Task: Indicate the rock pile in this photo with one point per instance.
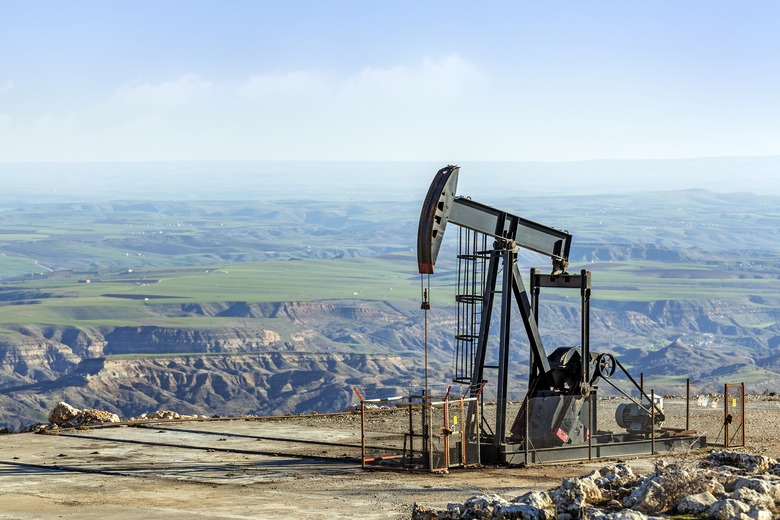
(165, 415)
(64, 415)
(722, 486)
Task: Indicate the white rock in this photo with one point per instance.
(483, 505)
(762, 486)
(520, 512)
(628, 514)
(648, 497)
(538, 499)
(619, 475)
(695, 504)
(62, 413)
(751, 463)
(759, 513)
(752, 497)
(574, 494)
(727, 509)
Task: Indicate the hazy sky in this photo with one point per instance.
(388, 80)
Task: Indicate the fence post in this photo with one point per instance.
(362, 428)
(742, 419)
(445, 431)
(726, 416)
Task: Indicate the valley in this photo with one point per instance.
(243, 307)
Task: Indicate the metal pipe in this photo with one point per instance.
(363, 432)
(445, 430)
(590, 427)
(688, 404)
(652, 423)
(525, 437)
(726, 416)
(742, 419)
(462, 432)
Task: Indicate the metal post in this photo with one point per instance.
(411, 426)
(742, 419)
(590, 426)
(525, 437)
(585, 323)
(429, 431)
(462, 432)
(652, 421)
(426, 306)
(445, 429)
(688, 404)
(641, 385)
(503, 354)
(535, 292)
(726, 416)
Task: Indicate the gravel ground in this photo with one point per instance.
(142, 473)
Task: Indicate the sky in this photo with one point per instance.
(168, 80)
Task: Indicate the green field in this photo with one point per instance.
(682, 246)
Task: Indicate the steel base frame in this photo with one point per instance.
(515, 454)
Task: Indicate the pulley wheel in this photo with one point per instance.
(606, 365)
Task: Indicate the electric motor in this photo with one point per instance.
(636, 419)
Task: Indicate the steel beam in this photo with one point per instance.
(500, 224)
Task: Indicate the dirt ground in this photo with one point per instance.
(297, 467)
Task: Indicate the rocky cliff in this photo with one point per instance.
(290, 357)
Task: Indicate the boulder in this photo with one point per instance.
(696, 504)
(752, 497)
(521, 512)
(759, 513)
(615, 477)
(761, 486)
(626, 514)
(538, 499)
(423, 513)
(648, 497)
(711, 484)
(573, 495)
(482, 506)
(727, 509)
(750, 463)
(62, 413)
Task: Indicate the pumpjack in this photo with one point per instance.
(559, 411)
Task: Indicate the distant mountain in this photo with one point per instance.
(28, 183)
